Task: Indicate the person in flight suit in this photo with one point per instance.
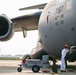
(63, 58)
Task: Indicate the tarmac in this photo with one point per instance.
(9, 67)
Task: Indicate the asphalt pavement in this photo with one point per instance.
(9, 67)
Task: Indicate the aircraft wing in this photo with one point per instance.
(41, 6)
(21, 23)
(28, 22)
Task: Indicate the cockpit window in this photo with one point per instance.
(69, 5)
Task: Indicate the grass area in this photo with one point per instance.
(9, 58)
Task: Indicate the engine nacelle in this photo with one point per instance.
(6, 28)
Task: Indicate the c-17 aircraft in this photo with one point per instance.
(56, 25)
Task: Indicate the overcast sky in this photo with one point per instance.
(18, 44)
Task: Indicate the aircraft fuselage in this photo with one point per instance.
(57, 26)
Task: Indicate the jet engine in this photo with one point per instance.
(6, 28)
